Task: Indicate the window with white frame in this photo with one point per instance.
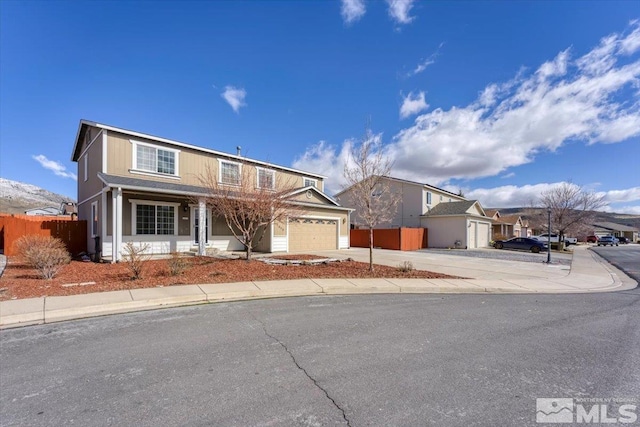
(428, 197)
(266, 178)
(86, 167)
(154, 159)
(94, 219)
(309, 182)
(229, 173)
(155, 219)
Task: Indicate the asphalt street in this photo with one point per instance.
(625, 257)
(373, 360)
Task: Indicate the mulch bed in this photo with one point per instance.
(20, 281)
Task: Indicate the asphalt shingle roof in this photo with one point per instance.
(451, 208)
(614, 226)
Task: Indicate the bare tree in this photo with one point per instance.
(249, 201)
(572, 208)
(365, 174)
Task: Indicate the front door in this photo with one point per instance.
(196, 226)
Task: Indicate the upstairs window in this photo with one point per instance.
(266, 179)
(149, 158)
(428, 197)
(229, 173)
(308, 182)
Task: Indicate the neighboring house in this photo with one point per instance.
(68, 208)
(506, 226)
(48, 211)
(449, 217)
(606, 228)
(458, 225)
(134, 187)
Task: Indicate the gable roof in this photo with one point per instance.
(454, 208)
(492, 212)
(614, 226)
(318, 192)
(509, 219)
(85, 124)
(405, 181)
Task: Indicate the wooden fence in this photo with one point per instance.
(399, 239)
(72, 233)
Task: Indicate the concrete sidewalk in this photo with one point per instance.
(588, 273)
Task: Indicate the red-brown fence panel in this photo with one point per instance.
(405, 239)
(72, 233)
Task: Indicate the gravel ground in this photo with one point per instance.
(556, 258)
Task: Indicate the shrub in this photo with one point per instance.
(177, 264)
(136, 258)
(44, 253)
(406, 267)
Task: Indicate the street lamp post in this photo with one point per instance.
(548, 235)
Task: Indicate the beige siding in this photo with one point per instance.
(445, 231)
(192, 164)
(279, 228)
(93, 184)
(265, 244)
(330, 213)
(84, 213)
(310, 196)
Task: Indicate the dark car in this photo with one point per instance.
(522, 243)
(592, 239)
(623, 239)
(607, 240)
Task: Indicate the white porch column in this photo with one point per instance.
(116, 224)
(202, 227)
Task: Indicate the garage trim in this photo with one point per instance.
(321, 217)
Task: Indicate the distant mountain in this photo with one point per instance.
(17, 197)
(624, 219)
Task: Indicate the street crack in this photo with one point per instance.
(313, 380)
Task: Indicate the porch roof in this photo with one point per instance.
(129, 183)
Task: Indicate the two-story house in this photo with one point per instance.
(451, 220)
(134, 187)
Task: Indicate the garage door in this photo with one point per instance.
(483, 234)
(307, 234)
(473, 230)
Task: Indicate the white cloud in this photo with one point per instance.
(399, 11)
(55, 167)
(630, 210)
(352, 10)
(426, 62)
(509, 196)
(325, 159)
(413, 104)
(509, 175)
(234, 97)
(511, 122)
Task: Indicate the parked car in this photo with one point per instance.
(522, 243)
(607, 240)
(623, 240)
(592, 239)
(556, 238)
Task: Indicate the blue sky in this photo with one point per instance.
(500, 99)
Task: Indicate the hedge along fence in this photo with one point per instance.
(399, 239)
(72, 233)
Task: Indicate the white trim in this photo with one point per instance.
(93, 215)
(104, 152)
(273, 180)
(220, 161)
(134, 159)
(103, 223)
(315, 182)
(136, 202)
(193, 147)
(155, 174)
(89, 144)
(90, 197)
